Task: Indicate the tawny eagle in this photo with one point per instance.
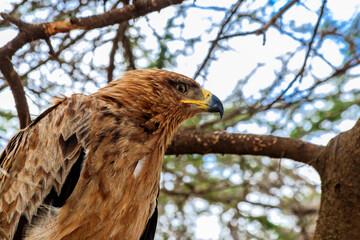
(89, 166)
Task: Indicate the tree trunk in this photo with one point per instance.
(339, 168)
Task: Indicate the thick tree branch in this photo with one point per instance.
(339, 168)
(113, 16)
(201, 142)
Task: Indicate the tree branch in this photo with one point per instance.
(128, 54)
(115, 46)
(111, 17)
(214, 43)
(126, 44)
(302, 69)
(201, 142)
(265, 27)
(17, 90)
(32, 32)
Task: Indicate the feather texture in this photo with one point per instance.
(40, 157)
(124, 129)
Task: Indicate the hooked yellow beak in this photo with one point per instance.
(211, 103)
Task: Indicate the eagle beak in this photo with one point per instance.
(211, 103)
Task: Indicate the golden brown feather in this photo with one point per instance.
(124, 129)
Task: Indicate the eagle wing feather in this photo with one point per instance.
(40, 157)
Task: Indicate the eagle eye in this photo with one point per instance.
(181, 87)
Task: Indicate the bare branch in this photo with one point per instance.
(215, 42)
(4, 23)
(113, 16)
(17, 90)
(265, 27)
(302, 69)
(201, 142)
(128, 53)
(115, 46)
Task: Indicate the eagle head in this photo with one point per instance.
(162, 96)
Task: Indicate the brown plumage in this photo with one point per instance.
(97, 158)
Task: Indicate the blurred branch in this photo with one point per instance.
(214, 43)
(338, 72)
(3, 86)
(201, 142)
(128, 54)
(17, 90)
(115, 46)
(302, 69)
(126, 44)
(4, 23)
(265, 27)
(56, 54)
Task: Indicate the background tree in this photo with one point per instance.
(303, 90)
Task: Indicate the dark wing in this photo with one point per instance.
(40, 157)
(149, 232)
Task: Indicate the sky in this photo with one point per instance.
(232, 65)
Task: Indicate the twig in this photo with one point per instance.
(17, 22)
(128, 53)
(302, 69)
(265, 27)
(115, 46)
(214, 43)
(51, 49)
(16, 6)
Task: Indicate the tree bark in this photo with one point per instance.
(339, 168)
(201, 142)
